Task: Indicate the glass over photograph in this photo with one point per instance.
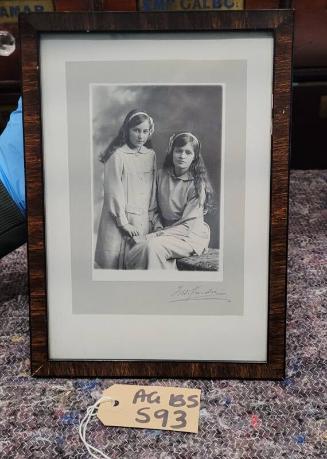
(157, 232)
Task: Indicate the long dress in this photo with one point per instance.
(185, 231)
(129, 197)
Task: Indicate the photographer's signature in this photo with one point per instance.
(197, 292)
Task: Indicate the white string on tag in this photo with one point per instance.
(90, 413)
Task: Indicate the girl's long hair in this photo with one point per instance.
(132, 119)
(202, 184)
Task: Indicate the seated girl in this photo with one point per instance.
(184, 195)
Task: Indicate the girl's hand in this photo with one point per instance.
(131, 230)
(150, 236)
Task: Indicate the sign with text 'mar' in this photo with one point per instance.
(9, 10)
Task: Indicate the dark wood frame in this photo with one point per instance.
(280, 24)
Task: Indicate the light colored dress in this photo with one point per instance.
(185, 231)
(129, 197)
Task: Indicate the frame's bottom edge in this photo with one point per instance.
(160, 370)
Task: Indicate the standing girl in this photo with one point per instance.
(129, 190)
(184, 195)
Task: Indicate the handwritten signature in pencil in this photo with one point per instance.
(197, 292)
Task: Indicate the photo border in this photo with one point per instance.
(110, 275)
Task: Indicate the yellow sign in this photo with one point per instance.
(9, 10)
(189, 5)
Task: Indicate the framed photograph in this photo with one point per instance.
(157, 187)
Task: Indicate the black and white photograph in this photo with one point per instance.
(157, 160)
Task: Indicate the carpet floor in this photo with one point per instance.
(238, 419)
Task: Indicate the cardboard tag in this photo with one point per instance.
(151, 407)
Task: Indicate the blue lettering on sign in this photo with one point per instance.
(164, 5)
(146, 5)
(160, 4)
(13, 11)
(205, 4)
(4, 13)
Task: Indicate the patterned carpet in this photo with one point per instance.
(238, 419)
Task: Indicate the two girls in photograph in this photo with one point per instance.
(151, 218)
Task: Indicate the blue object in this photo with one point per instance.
(300, 439)
(12, 158)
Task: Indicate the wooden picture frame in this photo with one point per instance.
(45, 105)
